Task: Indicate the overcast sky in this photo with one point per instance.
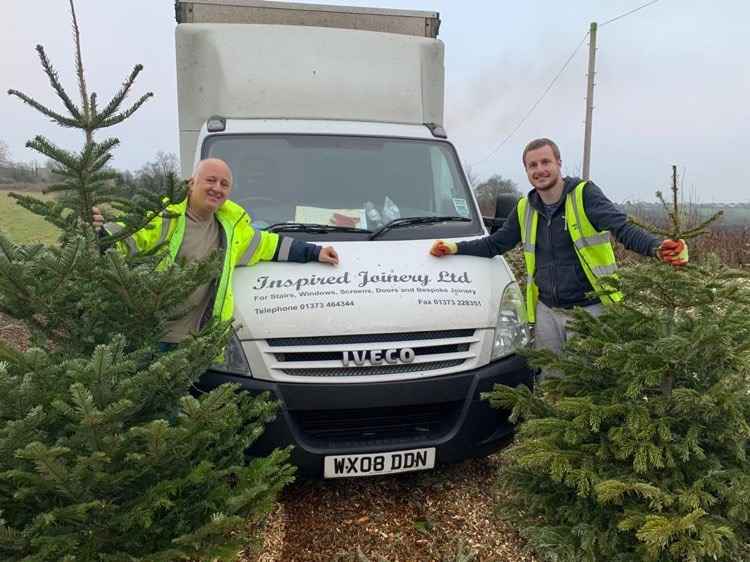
(672, 83)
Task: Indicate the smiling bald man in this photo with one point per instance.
(206, 221)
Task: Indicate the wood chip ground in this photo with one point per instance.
(417, 517)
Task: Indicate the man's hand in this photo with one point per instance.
(673, 252)
(97, 218)
(328, 255)
(441, 248)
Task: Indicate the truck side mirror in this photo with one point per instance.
(505, 203)
(492, 223)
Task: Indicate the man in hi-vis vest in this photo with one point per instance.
(564, 225)
(204, 222)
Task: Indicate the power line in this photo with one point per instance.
(554, 80)
(628, 13)
(533, 107)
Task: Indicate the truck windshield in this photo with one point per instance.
(356, 183)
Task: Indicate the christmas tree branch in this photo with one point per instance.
(665, 206)
(11, 275)
(61, 120)
(62, 174)
(100, 155)
(80, 74)
(118, 274)
(701, 228)
(61, 187)
(636, 221)
(675, 231)
(112, 107)
(93, 104)
(667, 382)
(675, 203)
(10, 355)
(51, 211)
(646, 226)
(54, 80)
(124, 115)
(100, 163)
(62, 156)
(67, 262)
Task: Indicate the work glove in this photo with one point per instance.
(673, 252)
(440, 248)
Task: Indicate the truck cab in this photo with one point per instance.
(333, 131)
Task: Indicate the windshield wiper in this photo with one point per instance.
(312, 227)
(409, 221)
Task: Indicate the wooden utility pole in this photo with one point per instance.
(589, 102)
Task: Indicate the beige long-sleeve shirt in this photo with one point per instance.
(200, 240)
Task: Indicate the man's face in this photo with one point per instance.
(211, 186)
(542, 168)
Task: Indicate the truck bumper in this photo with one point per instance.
(338, 419)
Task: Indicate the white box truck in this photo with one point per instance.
(331, 119)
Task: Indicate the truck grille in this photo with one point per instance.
(370, 338)
(323, 356)
(364, 371)
(377, 425)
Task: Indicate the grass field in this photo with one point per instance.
(20, 225)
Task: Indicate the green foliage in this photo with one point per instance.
(69, 294)
(109, 458)
(107, 449)
(639, 451)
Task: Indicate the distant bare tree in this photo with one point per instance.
(489, 190)
(164, 163)
(4, 153)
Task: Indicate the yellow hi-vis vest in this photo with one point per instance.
(593, 248)
(244, 245)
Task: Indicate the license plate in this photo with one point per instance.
(349, 466)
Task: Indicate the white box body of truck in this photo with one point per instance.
(334, 136)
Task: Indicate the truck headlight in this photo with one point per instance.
(512, 329)
(235, 360)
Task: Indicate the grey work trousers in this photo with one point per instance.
(551, 330)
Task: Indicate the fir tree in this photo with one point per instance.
(104, 453)
(639, 451)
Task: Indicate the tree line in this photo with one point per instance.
(13, 172)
